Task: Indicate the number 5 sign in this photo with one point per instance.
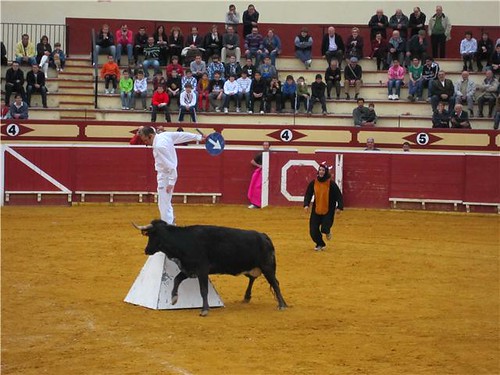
(422, 139)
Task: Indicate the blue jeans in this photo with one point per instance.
(130, 52)
(303, 55)
(394, 83)
(415, 88)
(110, 51)
(155, 63)
(256, 55)
(247, 99)
(141, 95)
(31, 60)
(126, 98)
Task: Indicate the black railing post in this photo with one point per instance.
(96, 70)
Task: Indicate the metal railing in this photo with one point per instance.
(11, 35)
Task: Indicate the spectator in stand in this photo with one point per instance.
(459, 118)
(203, 93)
(188, 79)
(429, 73)
(161, 40)
(417, 47)
(267, 70)
(378, 24)
(274, 93)
(442, 91)
(140, 90)
(4, 55)
(496, 122)
(441, 117)
(44, 54)
(231, 93)
(160, 102)
(151, 56)
(288, 92)
(124, 39)
(379, 51)
(399, 22)
(105, 43)
(353, 77)
(233, 67)
(244, 85)
(212, 43)
(230, 44)
(258, 93)
(25, 51)
(318, 89)
(232, 18)
(468, 50)
(194, 46)
(215, 66)
(188, 103)
(110, 72)
(272, 46)
(417, 21)
(484, 51)
(14, 82)
(249, 68)
(175, 42)
(303, 47)
(58, 57)
(254, 46)
(440, 32)
(174, 65)
(4, 110)
(395, 76)
(354, 45)
(216, 89)
(495, 60)
(198, 67)
(250, 20)
(332, 46)
(174, 87)
(363, 116)
(333, 77)
(140, 41)
(35, 81)
(303, 95)
(370, 145)
(487, 92)
(19, 109)
(159, 80)
(126, 89)
(416, 80)
(464, 92)
(396, 48)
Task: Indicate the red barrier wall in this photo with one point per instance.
(369, 179)
(79, 31)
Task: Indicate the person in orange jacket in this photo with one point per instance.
(110, 72)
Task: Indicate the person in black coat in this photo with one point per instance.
(36, 83)
(4, 55)
(327, 200)
(484, 51)
(14, 82)
(332, 46)
(258, 91)
(441, 117)
(378, 24)
(417, 21)
(459, 118)
(318, 88)
(250, 20)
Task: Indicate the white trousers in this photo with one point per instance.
(165, 199)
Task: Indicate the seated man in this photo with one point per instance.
(442, 91)
(124, 39)
(25, 51)
(233, 67)
(487, 92)
(272, 46)
(441, 117)
(214, 67)
(318, 95)
(258, 92)
(151, 56)
(464, 92)
(18, 109)
(468, 50)
(231, 93)
(430, 72)
(198, 67)
(174, 88)
(396, 48)
(230, 45)
(105, 43)
(353, 74)
(417, 47)
(362, 115)
(36, 83)
(332, 46)
(267, 70)
(288, 92)
(244, 84)
(140, 41)
(194, 46)
(14, 81)
(254, 46)
(459, 118)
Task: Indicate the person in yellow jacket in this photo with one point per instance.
(25, 51)
(327, 201)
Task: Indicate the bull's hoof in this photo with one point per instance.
(204, 313)
(281, 308)
(174, 299)
(246, 300)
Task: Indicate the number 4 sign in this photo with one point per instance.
(13, 130)
(286, 135)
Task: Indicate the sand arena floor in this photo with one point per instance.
(394, 293)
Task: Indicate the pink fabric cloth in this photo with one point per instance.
(255, 188)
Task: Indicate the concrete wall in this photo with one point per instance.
(484, 13)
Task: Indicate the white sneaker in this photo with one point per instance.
(112, 91)
(261, 112)
(250, 112)
(106, 91)
(217, 109)
(226, 110)
(319, 248)
(123, 108)
(390, 97)
(238, 110)
(253, 206)
(395, 97)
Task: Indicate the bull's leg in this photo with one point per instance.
(248, 293)
(203, 280)
(181, 276)
(270, 275)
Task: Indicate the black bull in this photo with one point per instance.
(202, 250)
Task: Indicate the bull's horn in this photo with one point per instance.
(142, 227)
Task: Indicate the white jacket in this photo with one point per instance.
(244, 84)
(231, 87)
(166, 157)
